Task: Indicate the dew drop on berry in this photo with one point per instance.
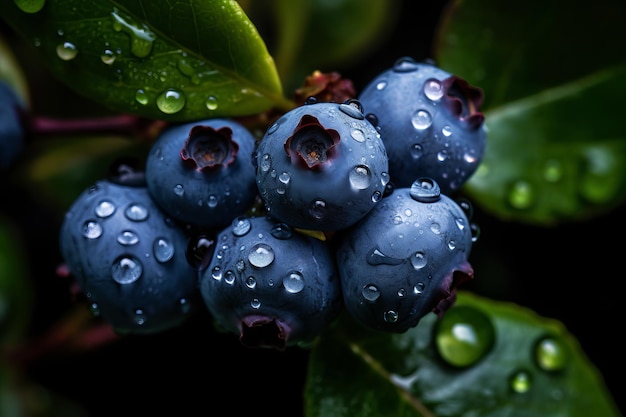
(390, 316)
(384, 178)
(255, 303)
(293, 282)
(105, 209)
(241, 226)
(136, 212)
(126, 270)
(284, 178)
(464, 336)
(405, 64)
(442, 155)
(380, 85)
(266, 162)
(179, 190)
(163, 250)
(550, 354)
(418, 260)
(421, 120)
(416, 150)
(127, 238)
(419, 288)
(216, 273)
(261, 255)
(92, 229)
(435, 228)
(360, 177)
(376, 257)
(199, 251)
(281, 231)
(433, 89)
(229, 277)
(358, 135)
(475, 229)
(251, 282)
(353, 109)
(446, 131)
(67, 51)
(376, 196)
(317, 210)
(520, 381)
(139, 317)
(371, 293)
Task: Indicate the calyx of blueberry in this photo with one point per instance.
(207, 148)
(446, 296)
(257, 331)
(463, 101)
(311, 144)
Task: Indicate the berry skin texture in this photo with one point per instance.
(201, 173)
(129, 259)
(11, 128)
(322, 166)
(271, 285)
(405, 258)
(430, 122)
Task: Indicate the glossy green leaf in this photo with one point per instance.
(323, 35)
(556, 150)
(179, 61)
(483, 359)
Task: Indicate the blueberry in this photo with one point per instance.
(201, 173)
(128, 259)
(271, 285)
(430, 122)
(405, 258)
(12, 132)
(322, 166)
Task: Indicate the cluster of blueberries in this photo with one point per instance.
(337, 205)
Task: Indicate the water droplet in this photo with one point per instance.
(451, 245)
(360, 177)
(170, 101)
(67, 51)
(211, 103)
(229, 277)
(30, 6)
(371, 293)
(475, 232)
(199, 251)
(405, 64)
(521, 195)
(425, 190)
(141, 37)
(317, 210)
(442, 155)
(376, 196)
(163, 250)
(284, 178)
(422, 120)
(107, 57)
(416, 150)
(381, 85)
(255, 303)
(126, 270)
(136, 212)
(95, 309)
(376, 257)
(464, 336)
(551, 354)
(419, 288)
(128, 238)
(353, 109)
(140, 317)
(179, 190)
(241, 226)
(216, 273)
(358, 135)
(266, 162)
(418, 260)
(281, 231)
(251, 282)
(142, 97)
(520, 381)
(105, 209)
(92, 229)
(261, 255)
(384, 178)
(435, 228)
(390, 316)
(293, 282)
(446, 131)
(433, 89)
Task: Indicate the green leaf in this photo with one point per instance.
(180, 61)
(483, 358)
(554, 84)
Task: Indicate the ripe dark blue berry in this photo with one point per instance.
(201, 173)
(430, 122)
(11, 127)
(271, 285)
(405, 258)
(128, 258)
(322, 166)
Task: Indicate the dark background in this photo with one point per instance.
(572, 273)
